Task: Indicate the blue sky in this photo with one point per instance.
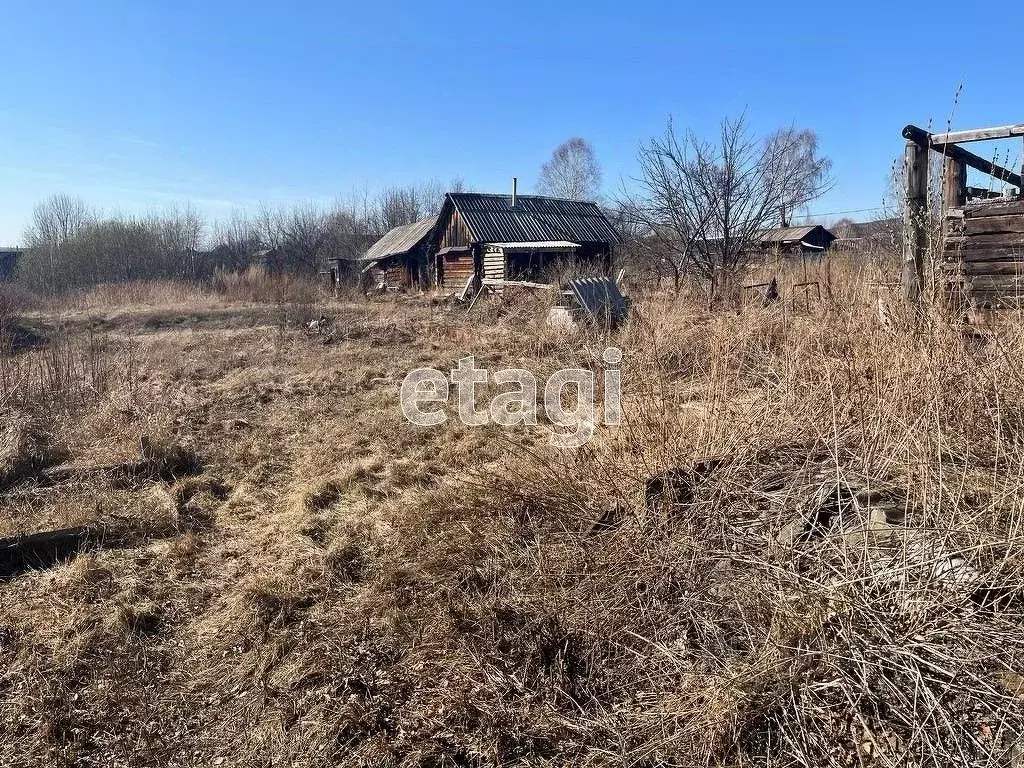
(135, 106)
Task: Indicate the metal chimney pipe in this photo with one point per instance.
(515, 185)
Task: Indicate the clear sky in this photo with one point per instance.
(138, 105)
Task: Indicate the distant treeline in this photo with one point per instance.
(71, 245)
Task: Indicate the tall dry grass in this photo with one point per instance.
(258, 285)
(832, 576)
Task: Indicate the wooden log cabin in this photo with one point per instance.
(810, 240)
(515, 237)
(400, 258)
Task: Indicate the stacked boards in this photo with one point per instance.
(983, 254)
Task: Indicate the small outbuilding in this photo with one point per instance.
(796, 241)
(400, 258)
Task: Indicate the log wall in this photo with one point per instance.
(983, 254)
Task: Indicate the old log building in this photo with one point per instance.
(801, 241)
(493, 237)
(514, 237)
(400, 258)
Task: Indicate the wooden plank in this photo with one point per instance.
(1007, 283)
(975, 242)
(985, 268)
(978, 134)
(983, 254)
(993, 225)
(922, 138)
(994, 208)
(520, 283)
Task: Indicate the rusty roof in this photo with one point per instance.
(492, 219)
(400, 240)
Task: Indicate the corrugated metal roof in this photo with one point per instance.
(786, 234)
(538, 244)
(492, 219)
(399, 240)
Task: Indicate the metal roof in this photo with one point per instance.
(492, 219)
(399, 240)
(536, 244)
(786, 234)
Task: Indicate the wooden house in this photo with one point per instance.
(400, 258)
(514, 237)
(812, 240)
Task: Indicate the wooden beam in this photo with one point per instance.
(982, 241)
(922, 138)
(991, 225)
(984, 268)
(994, 208)
(915, 189)
(519, 283)
(954, 183)
(979, 134)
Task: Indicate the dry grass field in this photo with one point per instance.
(286, 572)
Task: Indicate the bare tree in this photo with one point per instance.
(706, 203)
(304, 234)
(572, 172)
(398, 206)
(56, 220)
(179, 233)
(234, 243)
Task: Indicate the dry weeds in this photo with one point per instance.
(313, 581)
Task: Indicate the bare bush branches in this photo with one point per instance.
(706, 202)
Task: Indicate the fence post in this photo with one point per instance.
(954, 184)
(915, 186)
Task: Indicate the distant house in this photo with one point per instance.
(867, 235)
(400, 259)
(513, 237)
(9, 258)
(807, 241)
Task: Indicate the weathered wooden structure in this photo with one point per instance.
(983, 254)
(813, 240)
(981, 262)
(400, 258)
(514, 237)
